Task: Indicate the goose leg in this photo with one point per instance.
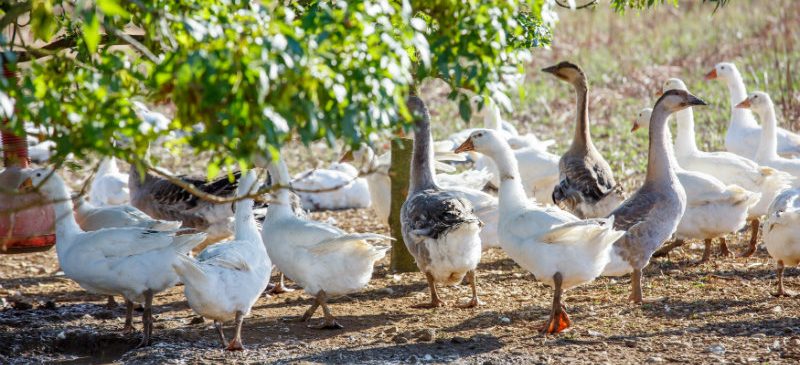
(218, 326)
(329, 323)
(723, 247)
(280, 287)
(310, 312)
(128, 328)
(636, 286)
(706, 252)
(559, 319)
(435, 300)
(665, 250)
(147, 319)
(474, 302)
(781, 292)
(236, 343)
(753, 238)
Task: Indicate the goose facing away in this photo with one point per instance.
(439, 227)
(133, 262)
(781, 232)
(324, 260)
(227, 278)
(651, 215)
(110, 186)
(743, 130)
(557, 247)
(586, 184)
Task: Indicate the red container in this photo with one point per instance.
(26, 221)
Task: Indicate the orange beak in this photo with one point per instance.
(635, 127)
(466, 146)
(347, 157)
(745, 104)
(659, 93)
(26, 185)
(712, 75)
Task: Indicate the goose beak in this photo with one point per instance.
(635, 127)
(347, 157)
(466, 146)
(659, 93)
(27, 185)
(693, 100)
(712, 75)
(745, 104)
(550, 70)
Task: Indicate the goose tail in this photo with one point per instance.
(184, 244)
(189, 270)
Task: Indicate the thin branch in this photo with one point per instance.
(14, 13)
(136, 44)
(69, 42)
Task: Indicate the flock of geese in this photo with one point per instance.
(565, 219)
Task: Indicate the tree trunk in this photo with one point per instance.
(399, 172)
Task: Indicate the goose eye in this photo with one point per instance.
(755, 96)
(38, 174)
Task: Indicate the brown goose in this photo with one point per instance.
(440, 228)
(586, 185)
(651, 215)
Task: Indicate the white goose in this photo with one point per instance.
(728, 167)
(743, 131)
(110, 186)
(132, 262)
(557, 247)
(712, 208)
(228, 277)
(326, 261)
(781, 232)
(767, 154)
(334, 188)
(92, 218)
(538, 170)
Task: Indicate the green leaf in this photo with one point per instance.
(43, 21)
(111, 7)
(91, 31)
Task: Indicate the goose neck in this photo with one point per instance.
(768, 145)
(422, 156)
(511, 194)
(739, 117)
(685, 142)
(661, 163)
(66, 225)
(491, 116)
(582, 136)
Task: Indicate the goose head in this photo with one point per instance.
(758, 101)
(485, 141)
(673, 84)
(676, 100)
(722, 70)
(567, 71)
(47, 182)
(642, 120)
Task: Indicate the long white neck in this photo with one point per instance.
(108, 166)
(245, 227)
(491, 116)
(66, 226)
(281, 205)
(768, 146)
(739, 117)
(511, 193)
(685, 143)
(661, 163)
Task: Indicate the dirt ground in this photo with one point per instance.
(713, 313)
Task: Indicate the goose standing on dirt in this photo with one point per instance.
(586, 184)
(439, 227)
(651, 215)
(782, 233)
(334, 188)
(557, 247)
(767, 154)
(728, 167)
(161, 199)
(324, 260)
(133, 262)
(743, 130)
(110, 186)
(712, 208)
(227, 278)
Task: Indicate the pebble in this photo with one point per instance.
(426, 335)
(655, 359)
(777, 309)
(51, 305)
(630, 343)
(400, 339)
(21, 305)
(427, 357)
(594, 333)
(413, 359)
(386, 291)
(716, 349)
(505, 320)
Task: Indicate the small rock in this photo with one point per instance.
(21, 305)
(505, 320)
(426, 335)
(62, 335)
(50, 305)
(413, 359)
(795, 342)
(386, 291)
(776, 309)
(594, 333)
(716, 349)
(759, 335)
(104, 315)
(776, 345)
(400, 339)
(87, 317)
(197, 320)
(630, 343)
(427, 357)
(655, 359)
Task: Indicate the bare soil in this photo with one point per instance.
(712, 313)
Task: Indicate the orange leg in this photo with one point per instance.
(753, 238)
(474, 302)
(435, 300)
(559, 319)
(236, 343)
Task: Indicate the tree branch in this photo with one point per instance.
(69, 42)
